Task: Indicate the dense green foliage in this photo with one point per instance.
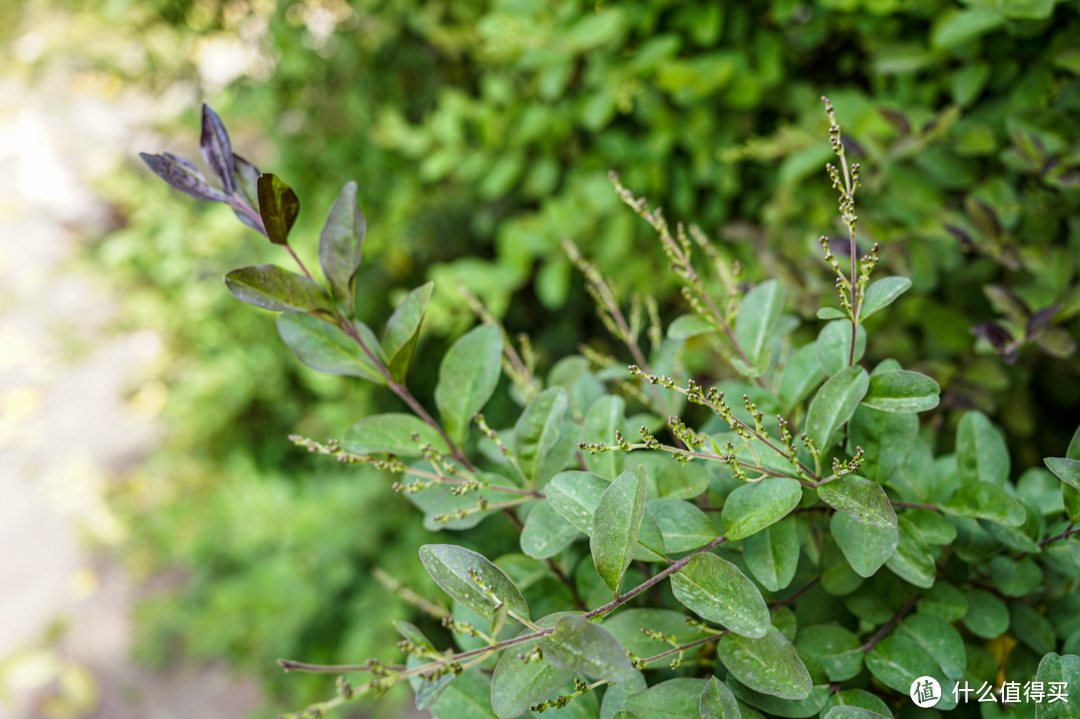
(831, 482)
(479, 134)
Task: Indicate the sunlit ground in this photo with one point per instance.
(75, 406)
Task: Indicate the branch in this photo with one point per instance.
(561, 576)
(289, 664)
(1069, 531)
(802, 590)
(683, 647)
(764, 439)
(891, 623)
(709, 456)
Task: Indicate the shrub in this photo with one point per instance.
(398, 87)
(818, 482)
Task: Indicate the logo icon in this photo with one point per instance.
(925, 692)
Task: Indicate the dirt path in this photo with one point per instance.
(66, 424)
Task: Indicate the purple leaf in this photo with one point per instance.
(897, 120)
(1041, 319)
(1000, 339)
(278, 206)
(182, 175)
(962, 235)
(217, 149)
(853, 147)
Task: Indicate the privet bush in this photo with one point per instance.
(468, 81)
(683, 546)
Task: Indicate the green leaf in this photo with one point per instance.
(672, 480)
(413, 634)
(1060, 670)
(604, 418)
(837, 576)
(886, 439)
(403, 330)
(673, 699)
(575, 495)
(866, 547)
(650, 540)
(933, 528)
(546, 532)
(856, 704)
(944, 601)
(972, 543)
(882, 293)
(752, 370)
(847, 712)
(615, 696)
(615, 525)
(453, 569)
(1070, 497)
(428, 689)
(898, 661)
(785, 621)
(1015, 578)
(278, 207)
(715, 589)
(912, 560)
(916, 479)
(341, 243)
(939, 640)
(1031, 628)
(772, 555)
(801, 375)
(982, 500)
(799, 708)
(516, 685)
(838, 651)
(768, 665)
(688, 326)
(325, 348)
(1067, 470)
(981, 454)
(627, 624)
(964, 26)
(582, 386)
(902, 392)
(468, 376)
(834, 346)
(391, 434)
(717, 701)
(439, 503)
(465, 698)
(863, 500)
(683, 526)
(578, 645)
(834, 404)
(831, 313)
(757, 318)
(754, 506)
(987, 616)
(886, 365)
(538, 429)
(274, 289)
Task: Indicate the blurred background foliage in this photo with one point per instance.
(482, 132)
